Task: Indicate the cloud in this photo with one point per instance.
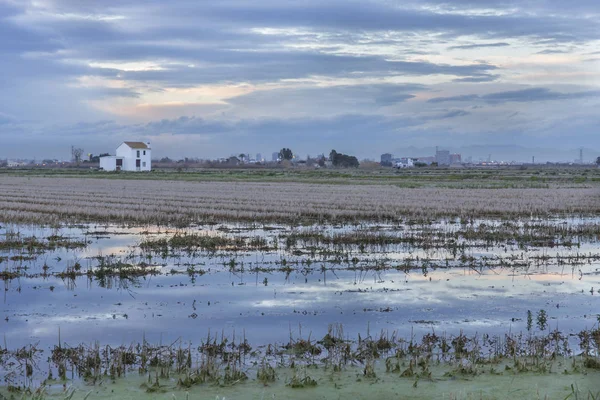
(445, 115)
(381, 16)
(291, 129)
(589, 7)
(464, 97)
(524, 95)
(327, 70)
(359, 134)
(454, 114)
(319, 100)
(185, 126)
(552, 51)
(393, 98)
(6, 119)
(478, 79)
(478, 46)
(224, 43)
(109, 93)
(256, 66)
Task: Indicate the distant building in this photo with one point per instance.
(386, 160)
(425, 160)
(275, 156)
(259, 157)
(404, 162)
(233, 160)
(130, 156)
(455, 159)
(442, 157)
(14, 164)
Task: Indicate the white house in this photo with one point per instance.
(131, 156)
(405, 163)
(14, 164)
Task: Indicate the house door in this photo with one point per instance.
(138, 164)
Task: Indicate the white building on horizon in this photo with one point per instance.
(404, 162)
(130, 156)
(14, 163)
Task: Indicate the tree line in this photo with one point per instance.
(337, 159)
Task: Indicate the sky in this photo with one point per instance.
(209, 79)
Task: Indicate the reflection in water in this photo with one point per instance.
(270, 293)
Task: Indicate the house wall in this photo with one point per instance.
(131, 155)
(108, 163)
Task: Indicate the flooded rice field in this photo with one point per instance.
(277, 285)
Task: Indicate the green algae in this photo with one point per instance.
(384, 366)
(349, 383)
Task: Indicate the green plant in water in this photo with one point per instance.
(266, 373)
(542, 320)
(300, 383)
(591, 363)
(369, 370)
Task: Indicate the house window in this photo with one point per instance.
(119, 162)
(138, 153)
(144, 152)
(144, 163)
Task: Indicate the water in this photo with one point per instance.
(267, 305)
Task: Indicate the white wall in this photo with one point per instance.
(108, 163)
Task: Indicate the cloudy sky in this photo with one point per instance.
(208, 79)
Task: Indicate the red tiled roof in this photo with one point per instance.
(137, 145)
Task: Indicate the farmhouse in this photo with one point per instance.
(130, 156)
(14, 164)
(404, 163)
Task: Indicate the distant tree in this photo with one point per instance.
(165, 160)
(96, 159)
(598, 161)
(332, 155)
(343, 160)
(76, 153)
(242, 156)
(286, 154)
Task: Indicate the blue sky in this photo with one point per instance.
(213, 78)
